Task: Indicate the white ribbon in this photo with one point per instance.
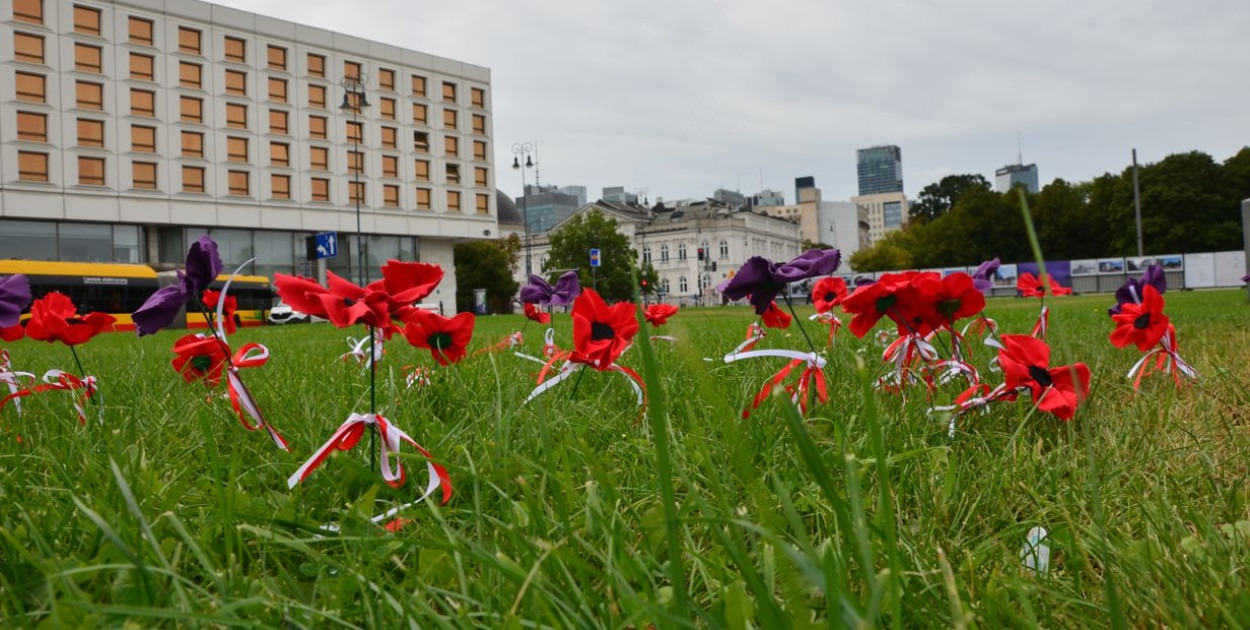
(359, 352)
(1172, 360)
(667, 338)
(549, 347)
(811, 358)
(990, 325)
(13, 379)
(566, 371)
(53, 377)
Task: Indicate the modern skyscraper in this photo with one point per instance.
(880, 170)
(1012, 174)
(546, 206)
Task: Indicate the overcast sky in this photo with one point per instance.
(685, 96)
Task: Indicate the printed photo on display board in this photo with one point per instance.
(1060, 270)
(1005, 276)
(1172, 262)
(1110, 265)
(1137, 264)
(1088, 267)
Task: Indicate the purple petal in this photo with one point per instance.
(754, 279)
(1114, 310)
(1155, 277)
(160, 309)
(568, 287)
(203, 264)
(809, 264)
(536, 292)
(14, 297)
(984, 285)
(1245, 279)
(1128, 293)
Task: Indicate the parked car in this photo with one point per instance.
(284, 314)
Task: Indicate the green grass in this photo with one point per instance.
(863, 514)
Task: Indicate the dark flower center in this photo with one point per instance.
(600, 331)
(439, 341)
(884, 303)
(1040, 375)
(202, 363)
(72, 320)
(1142, 322)
(349, 302)
(831, 297)
(949, 307)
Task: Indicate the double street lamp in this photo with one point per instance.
(354, 101)
(524, 150)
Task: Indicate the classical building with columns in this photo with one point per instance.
(131, 126)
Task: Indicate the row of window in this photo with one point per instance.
(681, 252)
(29, 47)
(32, 88)
(33, 166)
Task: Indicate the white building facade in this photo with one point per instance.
(670, 239)
(131, 126)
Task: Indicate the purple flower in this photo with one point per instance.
(1245, 279)
(203, 266)
(761, 279)
(540, 292)
(983, 277)
(1131, 291)
(14, 298)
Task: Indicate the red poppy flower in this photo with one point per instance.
(12, 333)
(828, 293)
(1026, 363)
(232, 305)
(55, 318)
(953, 297)
(1143, 324)
(300, 293)
(1029, 286)
(200, 358)
(444, 337)
(774, 317)
(658, 314)
(601, 332)
(536, 314)
(906, 298)
(346, 304)
(406, 283)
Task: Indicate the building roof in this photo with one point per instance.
(506, 209)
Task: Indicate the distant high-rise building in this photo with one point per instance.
(576, 191)
(766, 198)
(731, 197)
(1012, 174)
(545, 206)
(801, 184)
(618, 194)
(880, 170)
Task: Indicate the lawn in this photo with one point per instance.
(573, 511)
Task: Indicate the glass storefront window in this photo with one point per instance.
(28, 240)
(173, 248)
(235, 248)
(408, 248)
(86, 242)
(275, 253)
(127, 244)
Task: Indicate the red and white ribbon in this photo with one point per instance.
(832, 320)
(13, 379)
(906, 353)
(1165, 359)
(978, 326)
(55, 380)
(812, 378)
(348, 435)
(969, 401)
(755, 333)
(416, 376)
(360, 353)
(250, 355)
(668, 338)
(1043, 322)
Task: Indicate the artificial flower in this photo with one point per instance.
(210, 298)
(1056, 390)
(300, 293)
(12, 333)
(1030, 286)
(54, 317)
(406, 283)
(14, 298)
(658, 314)
(760, 280)
(601, 332)
(983, 276)
(346, 304)
(774, 317)
(540, 292)
(202, 267)
(200, 358)
(895, 296)
(828, 293)
(1131, 291)
(536, 314)
(445, 337)
(954, 297)
(1142, 324)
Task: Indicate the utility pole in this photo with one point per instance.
(1137, 205)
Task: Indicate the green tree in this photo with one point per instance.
(936, 199)
(810, 245)
(890, 253)
(484, 265)
(570, 249)
(512, 246)
(648, 279)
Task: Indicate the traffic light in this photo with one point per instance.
(700, 253)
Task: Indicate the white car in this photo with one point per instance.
(284, 314)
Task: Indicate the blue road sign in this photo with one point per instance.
(327, 245)
(594, 258)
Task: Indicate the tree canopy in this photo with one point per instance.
(484, 265)
(935, 199)
(1190, 203)
(570, 249)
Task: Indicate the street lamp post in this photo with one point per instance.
(524, 150)
(353, 101)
